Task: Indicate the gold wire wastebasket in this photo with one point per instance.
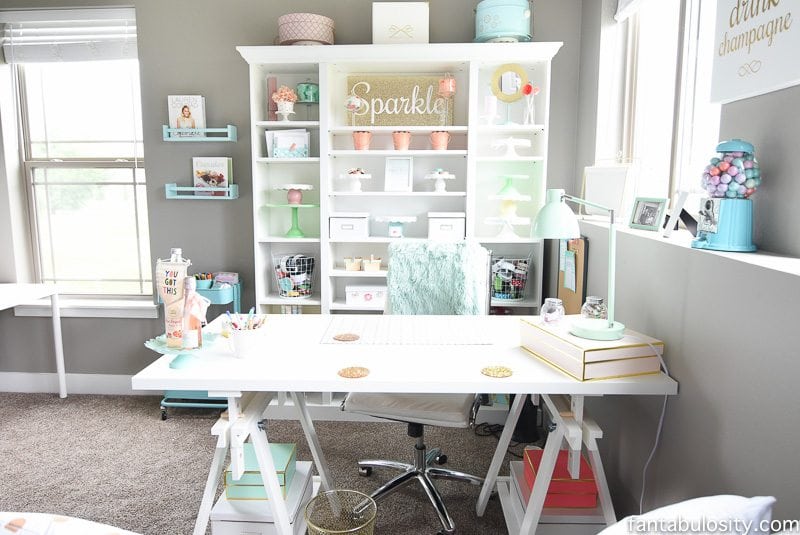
(341, 511)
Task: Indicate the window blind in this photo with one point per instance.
(52, 35)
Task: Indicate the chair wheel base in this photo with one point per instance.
(440, 459)
(365, 471)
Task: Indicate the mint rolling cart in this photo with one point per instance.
(198, 399)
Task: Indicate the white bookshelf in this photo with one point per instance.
(472, 156)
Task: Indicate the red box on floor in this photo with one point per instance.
(563, 491)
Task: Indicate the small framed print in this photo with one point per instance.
(399, 174)
(648, 213)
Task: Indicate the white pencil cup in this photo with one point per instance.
(248, 343)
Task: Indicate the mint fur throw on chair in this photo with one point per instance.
(438, 278)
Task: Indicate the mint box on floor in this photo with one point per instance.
(251, 486)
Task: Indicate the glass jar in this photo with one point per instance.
(594, 308)
(552, 310)
(733, 173)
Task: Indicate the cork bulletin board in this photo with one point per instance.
(572, 264)
(398, 100)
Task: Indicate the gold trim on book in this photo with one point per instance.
(530, 462)
(562, 370)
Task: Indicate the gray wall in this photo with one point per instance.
(188, 46)
(729, 329)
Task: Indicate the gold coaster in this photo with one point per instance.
(353, 372)
(497, 371)
(346, 337)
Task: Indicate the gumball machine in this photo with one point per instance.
(726, 216)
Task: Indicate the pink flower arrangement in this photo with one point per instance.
(530, 89)
(284, 94)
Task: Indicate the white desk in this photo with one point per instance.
(12, 295)
(297, 360)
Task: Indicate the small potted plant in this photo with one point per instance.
(285, 97)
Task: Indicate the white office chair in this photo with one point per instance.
(428, 278)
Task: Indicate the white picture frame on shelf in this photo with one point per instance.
(606, 185)
(399, 174)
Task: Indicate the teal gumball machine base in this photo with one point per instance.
(726, 225)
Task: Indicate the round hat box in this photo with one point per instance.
(506, 21)
(305, 29)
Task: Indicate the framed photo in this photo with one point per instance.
(399, 174)
(648, 213)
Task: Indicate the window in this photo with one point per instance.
(83, 158)
(671, 126)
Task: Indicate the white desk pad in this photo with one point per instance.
(409, 330)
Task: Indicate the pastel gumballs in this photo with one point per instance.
(750, 182)
(738, 162)
(722, 188)
(709, 168)
(723, 166)
(733, 186)
(733, 170)
(748, 164)
(757, 181)
(730, 194)
(741, 190)
(711, 189)
(714, 180)
(739, 179)
(725, 178)
(737, 154)
(706, 176)
(750, 191)
(714, 171)
(728, 158)
(715, 161)
(756, 172)
(748, 173)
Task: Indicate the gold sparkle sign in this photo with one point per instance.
(399, 101)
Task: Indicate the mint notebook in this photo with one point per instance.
(251, 486)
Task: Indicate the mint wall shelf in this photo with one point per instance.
(174, 191)
(210, 134)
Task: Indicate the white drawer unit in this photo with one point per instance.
(450, 226)
(349, 225)
(373, 297)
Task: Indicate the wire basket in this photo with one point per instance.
(509, 276)
(294, 275)
(341, 511)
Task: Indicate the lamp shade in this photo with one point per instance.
(556, 220)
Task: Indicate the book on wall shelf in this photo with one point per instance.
(212, 172)
(186, 111)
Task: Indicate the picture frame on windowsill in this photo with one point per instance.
(648, 213)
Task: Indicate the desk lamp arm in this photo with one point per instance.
(612, 250)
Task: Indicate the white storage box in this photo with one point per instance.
(349, 225)
(366, 296)
(399, 22)
(449, 226)
(254, 517)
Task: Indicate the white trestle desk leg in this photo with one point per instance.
(214, 474)
(542, 482)
(500, 453)
(299, 399)
(58, 346)
(591, 432)
(270, 478)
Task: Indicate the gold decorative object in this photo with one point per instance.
(508, 81)
(353, 372)
(497, 371)
(346, 337)
(397, 100)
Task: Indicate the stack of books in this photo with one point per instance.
(633, 354)
(563, 491)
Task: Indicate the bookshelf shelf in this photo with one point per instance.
(228, 193)
(209, 134)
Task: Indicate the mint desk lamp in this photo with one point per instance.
(557, 221)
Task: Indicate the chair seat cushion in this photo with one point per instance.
(445, 410)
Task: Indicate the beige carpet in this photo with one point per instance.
(112, 460)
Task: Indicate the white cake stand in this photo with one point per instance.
(510, 143)
(355, 180)
(440, 176)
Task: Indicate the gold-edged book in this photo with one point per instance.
(634, 354)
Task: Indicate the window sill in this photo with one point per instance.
(683, 238)
(91, 308)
